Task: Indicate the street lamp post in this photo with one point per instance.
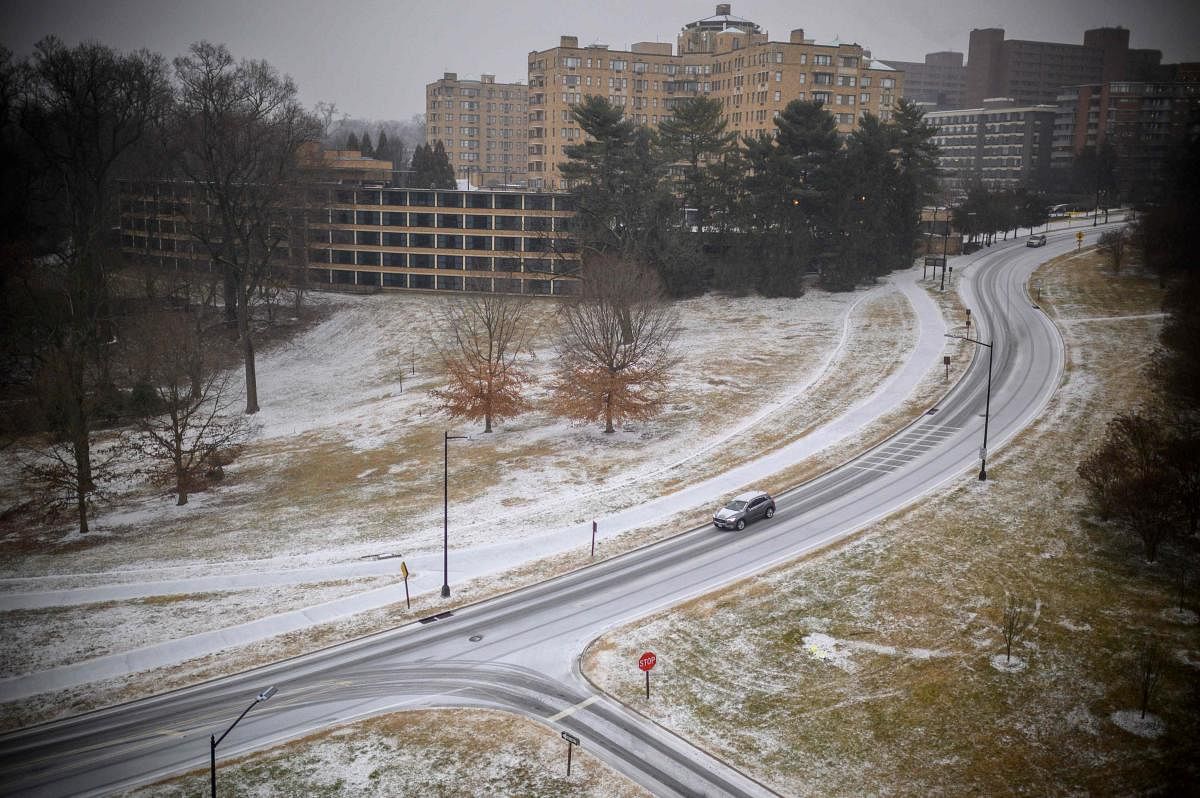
(447, 437)
(987, 407)
(214, 741)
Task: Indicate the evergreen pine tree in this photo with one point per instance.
(441, 170)
(419, 167)
(352, 141)
(383, 147)
(365, 144)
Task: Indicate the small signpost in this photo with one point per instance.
(593, 539)
(404, 573)
(1079, 239)
(968, 322)
(646, 662)
(572, 741)
(946, 361)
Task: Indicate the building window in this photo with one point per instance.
(822, 60)
(848, 61)
(619, 64)
(823, 78)
(571, 62)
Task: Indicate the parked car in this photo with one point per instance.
(744, 509)
(1038, 240)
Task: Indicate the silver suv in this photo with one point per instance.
(744, 509)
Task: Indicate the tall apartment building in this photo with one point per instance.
(483, 126)
(1032, 72)
(727, 58)
(939, 82)
(1140, 121)
(1001, 144)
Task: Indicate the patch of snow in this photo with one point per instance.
(1184, 616)
(1151, 727)
(1074, 627)
(1008, 664)
(1082, 719)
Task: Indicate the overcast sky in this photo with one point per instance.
(373, 59)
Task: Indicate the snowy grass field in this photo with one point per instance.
(342, 480)
(878, 667)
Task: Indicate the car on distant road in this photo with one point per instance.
(743, 509)
(1038, 240)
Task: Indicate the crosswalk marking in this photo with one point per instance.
(571, 710)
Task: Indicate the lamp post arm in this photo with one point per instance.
(972, 340)
(236, 722)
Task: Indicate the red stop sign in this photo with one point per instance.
(647, 660)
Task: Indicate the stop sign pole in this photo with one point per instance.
(646, 662)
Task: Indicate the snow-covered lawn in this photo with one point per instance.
(426, 753)
(342, 481)
(878, 667)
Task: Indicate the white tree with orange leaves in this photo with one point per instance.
(616, 348)
(485, 335)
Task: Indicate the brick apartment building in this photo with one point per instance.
(1001, 144)
(1032, 72)
(364, 233)
(483, 126)
(1141, 122)
(725, 57)
(938, 83)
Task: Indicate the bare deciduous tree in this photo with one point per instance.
(68, 474)
(615, 354)
(1129, 480)
(81, 111)
(1014, 622)
(241, 127)
(1147, 673)
(1113, 245)
(191, 423)
(486, 335)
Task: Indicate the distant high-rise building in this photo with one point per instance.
(938, 82)
(1031, 72)
(1000, 144)
(1139, 122)
(483, 126)
(727, 58)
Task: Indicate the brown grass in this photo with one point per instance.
(423, 752)
(927, 713)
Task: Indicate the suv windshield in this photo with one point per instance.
(736, 504)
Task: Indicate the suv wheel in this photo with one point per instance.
(770, 512)
(741, 524)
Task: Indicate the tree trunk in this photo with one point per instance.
(83, 478)
(229, 286)
(81, 503)
(608, 413)
(243, 312)
(487, 422)
(180, 472)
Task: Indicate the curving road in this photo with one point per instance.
(519, 652)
